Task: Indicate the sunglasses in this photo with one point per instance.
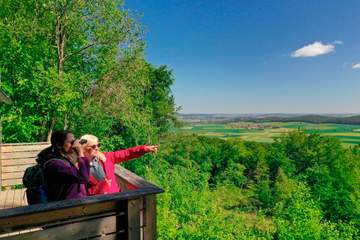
(95, 146)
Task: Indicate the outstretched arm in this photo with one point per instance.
(130, 153)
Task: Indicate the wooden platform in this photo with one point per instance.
(12, 198)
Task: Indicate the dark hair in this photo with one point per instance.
(58, 139)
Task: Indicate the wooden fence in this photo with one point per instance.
(15, 158)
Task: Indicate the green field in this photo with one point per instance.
(266, 132)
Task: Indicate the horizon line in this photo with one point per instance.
(262, 113)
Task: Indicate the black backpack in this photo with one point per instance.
(35, 183)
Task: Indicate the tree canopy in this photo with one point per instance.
(72, 63)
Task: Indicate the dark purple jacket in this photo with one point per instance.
(64, 180)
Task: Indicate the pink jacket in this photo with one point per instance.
(110, 184)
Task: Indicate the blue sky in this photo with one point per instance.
(282, 56)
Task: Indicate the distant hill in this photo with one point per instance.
(309, 118)
(312, 119)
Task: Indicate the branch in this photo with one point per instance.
(82, 49)
(79, 51)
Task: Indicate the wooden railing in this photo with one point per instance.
(130, 214)
(141, 210)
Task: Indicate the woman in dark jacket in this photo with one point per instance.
(65, 175)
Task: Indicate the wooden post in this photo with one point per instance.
(134, 219)
(0, 155)
(122, 183)
(150, 217)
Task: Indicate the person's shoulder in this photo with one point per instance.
(57, 162)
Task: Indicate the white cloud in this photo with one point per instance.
(313, 50)
(356, 66)
(338, 42)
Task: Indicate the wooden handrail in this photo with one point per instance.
(65, 204)
(132, 178)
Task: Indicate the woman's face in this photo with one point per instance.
(92, 148)
(67, 147)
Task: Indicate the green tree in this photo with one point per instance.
(298, 217)
(54, 54)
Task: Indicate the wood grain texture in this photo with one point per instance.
(150, 217)
(17, 155)
(19, 168)
(21, 147)
(75, 230)
(132, 178)
(20, 161)
(134, 219)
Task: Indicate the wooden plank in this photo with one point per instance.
(4, 214)
(15, 162)
(141, 212)
(9, 198)
(75, 230)
(13, 175)
(122, 183)
(17, 198)
(132, 178)
(120, 215)
(113, 236)
(26, 143)
(21, 222)
(134, 219)
(2, 198)
(10, 169)
(17, 155)
(149, 217)
(1, 149)
(23, 197)
(11, 182)
(21, 147)
(2, 236)
(6, 192)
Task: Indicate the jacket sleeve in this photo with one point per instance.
(67, 172)
(126, 154)
(95, 187)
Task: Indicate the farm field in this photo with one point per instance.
(266, 132)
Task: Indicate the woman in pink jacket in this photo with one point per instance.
(102, 166)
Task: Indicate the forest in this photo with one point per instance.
(80, 65)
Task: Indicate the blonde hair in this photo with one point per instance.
(89, 138)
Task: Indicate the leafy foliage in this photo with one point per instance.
(217, 189)
(79, 65)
